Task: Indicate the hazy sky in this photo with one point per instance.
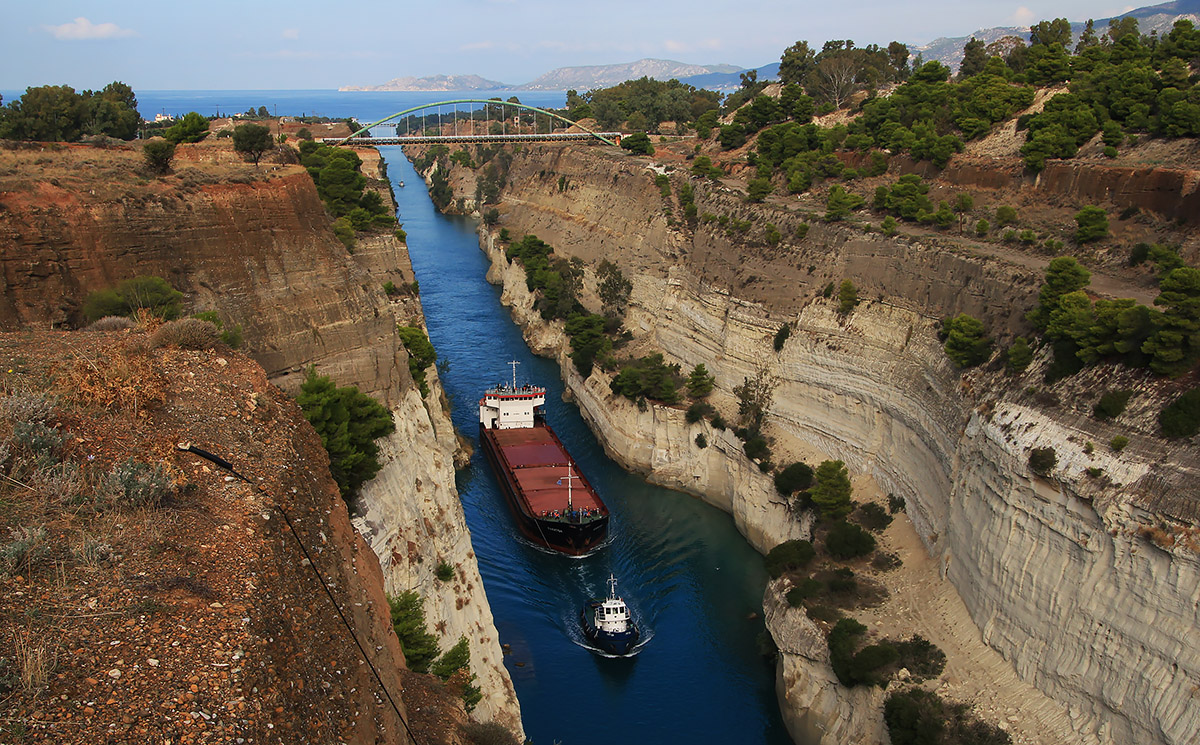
(258, 44)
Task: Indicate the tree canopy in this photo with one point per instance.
(56, 113)
(252, 140)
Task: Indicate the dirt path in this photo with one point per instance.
(1103, 284)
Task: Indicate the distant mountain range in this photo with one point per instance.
(947, 50)
(433, 83)
(564, 78)
(603, 76)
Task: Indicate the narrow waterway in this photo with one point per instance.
(694, 584)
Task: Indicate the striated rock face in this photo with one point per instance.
(815, 706)
(261, 253)
(411, 516)
(1053, 573)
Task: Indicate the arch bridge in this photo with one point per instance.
(470, 127)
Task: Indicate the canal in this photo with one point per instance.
(694, 585)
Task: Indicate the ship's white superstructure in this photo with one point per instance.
(505, 406)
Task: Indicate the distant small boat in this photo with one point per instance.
(607, 623)
(401, 184)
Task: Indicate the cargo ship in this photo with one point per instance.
(553, 502)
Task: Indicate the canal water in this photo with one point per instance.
(693, 583)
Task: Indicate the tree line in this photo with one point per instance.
(57, 113)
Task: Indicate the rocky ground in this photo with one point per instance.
(180, 609)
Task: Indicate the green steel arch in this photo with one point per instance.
(489, 101)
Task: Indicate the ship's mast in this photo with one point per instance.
(569, 479)
(514, 364)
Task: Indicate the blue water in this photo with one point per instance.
(693, 583)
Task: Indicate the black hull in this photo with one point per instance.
(571, 538)
(617, 644)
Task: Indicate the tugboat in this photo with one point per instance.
(607, 624)
(554, 504)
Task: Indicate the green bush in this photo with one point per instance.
(921, 657)
(698, 411)
(781, 336)
(158, 154)
(1118, 443)
(914, 717)
(1092, 224)
(1181, 418)
(348, 422)
(862, 667)
(650, 377)
(701, 440)
(153, 294)
(847, 297)
(1111, 404)
(788, 556)
(699, 382)
(421, 355)
(831, 495)
(809, 588)
(408, 620)
(1018, 357)
(873, 517)
(848, 541)
(134, 485)
(490, 733)
(843, 582)
(444, 572)
(966, 343)
(1042, 461)
(792, 479)
(756, 448)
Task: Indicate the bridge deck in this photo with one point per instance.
(435, 139)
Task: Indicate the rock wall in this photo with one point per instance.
(1055, 573)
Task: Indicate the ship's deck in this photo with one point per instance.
(539, 465)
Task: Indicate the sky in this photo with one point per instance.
(303, 44)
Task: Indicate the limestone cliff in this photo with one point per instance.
(255, 245)
(1058, 575)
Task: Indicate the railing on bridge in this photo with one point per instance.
(423, 139)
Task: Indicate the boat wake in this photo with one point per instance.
(575, 633)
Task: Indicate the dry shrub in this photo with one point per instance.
(28, 407)
(186, 333)
(1158, 536)
(111, 323)
(36, 660)
(119, 378)
(61, 484)
(25, 550)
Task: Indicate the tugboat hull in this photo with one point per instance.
(617, 643)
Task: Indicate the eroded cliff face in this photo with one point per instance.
(258, 249)
(1055, 573)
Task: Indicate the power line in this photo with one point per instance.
(187, 447)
